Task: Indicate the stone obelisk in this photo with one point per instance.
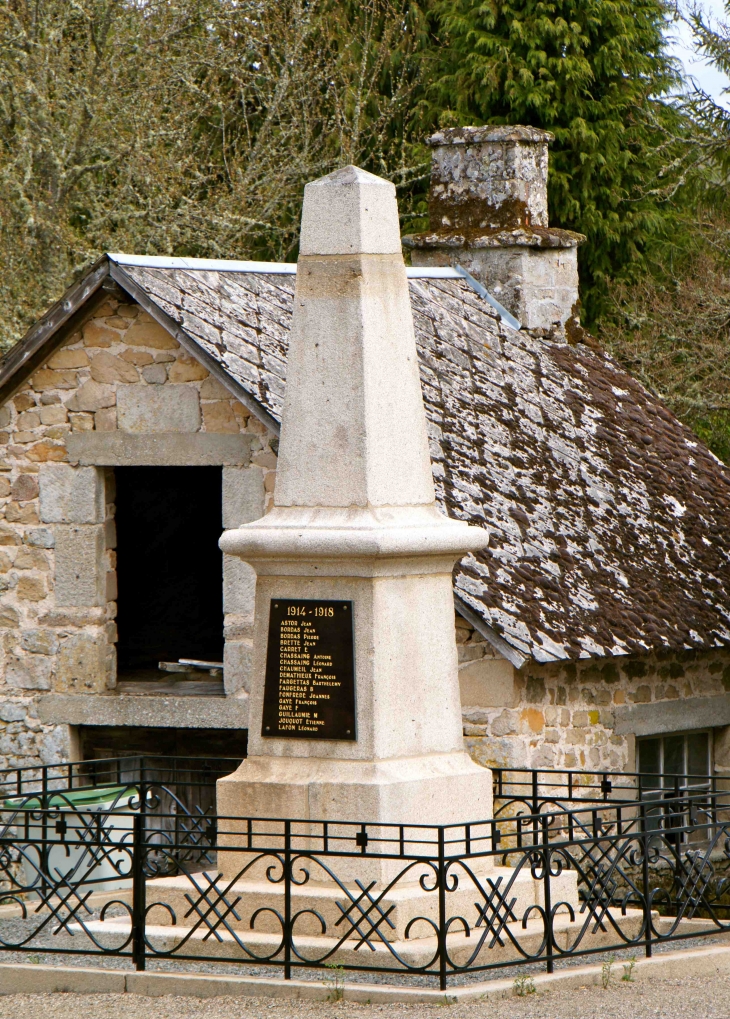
(355, 526)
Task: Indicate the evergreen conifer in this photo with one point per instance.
(587, 70)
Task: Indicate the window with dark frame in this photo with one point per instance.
(683, 755)
(677, 764)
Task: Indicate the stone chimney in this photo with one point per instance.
(488, 212)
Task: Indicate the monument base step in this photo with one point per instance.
(407, 911)
(512, 943)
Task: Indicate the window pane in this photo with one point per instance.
(674, 755)
(698, 754)
(649, 759)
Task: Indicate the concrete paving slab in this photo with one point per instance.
(22, 978)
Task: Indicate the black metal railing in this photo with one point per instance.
(440, 902)
(175, 794)
(536, 790)
(179, 773)
(186, 785)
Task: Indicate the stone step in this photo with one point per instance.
(511, 943)
(406, 912)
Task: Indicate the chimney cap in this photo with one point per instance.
(495, 133)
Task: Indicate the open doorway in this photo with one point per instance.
(169, 569)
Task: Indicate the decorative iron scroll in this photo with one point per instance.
(441, 902)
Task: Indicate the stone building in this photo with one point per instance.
(140, 416)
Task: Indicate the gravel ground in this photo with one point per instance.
(695, 998)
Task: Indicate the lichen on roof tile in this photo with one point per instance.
(608, 518)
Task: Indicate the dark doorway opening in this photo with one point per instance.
(100, 741)
(169, 567)
(181, 764)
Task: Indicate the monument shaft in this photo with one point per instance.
(366, 727)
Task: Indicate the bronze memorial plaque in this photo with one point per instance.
(309, 691)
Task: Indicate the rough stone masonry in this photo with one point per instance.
(122, 380)
(599, 610)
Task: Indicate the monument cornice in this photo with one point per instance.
(298, 535)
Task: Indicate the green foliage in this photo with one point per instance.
(335, 981)
(701, 146)
(670, 326)
(523, 986)
(589, 71)
(670, 329)
(628, 975)
(188, 126)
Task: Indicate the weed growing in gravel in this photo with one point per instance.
(629, 970)
(606, 973)
(335, 981)
(524, 985)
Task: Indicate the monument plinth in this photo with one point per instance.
(355, 711)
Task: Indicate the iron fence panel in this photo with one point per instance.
(436, 901)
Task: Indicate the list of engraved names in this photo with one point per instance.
(309, 690)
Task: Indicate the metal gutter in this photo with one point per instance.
(441, 272)
(435, 272)
(212, 264)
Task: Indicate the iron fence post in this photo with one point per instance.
(45, 851)
(645, 878)
(547, 894)
(138, 892)
(442, 910)
(143, 802)
(287, 900)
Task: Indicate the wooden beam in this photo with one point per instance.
(64, 318)
(189, 344)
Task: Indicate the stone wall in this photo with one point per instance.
(581, 714)
(125, 380)
(122, 373)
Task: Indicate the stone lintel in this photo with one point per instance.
(673, 716)
(158, 449)
(147, 711)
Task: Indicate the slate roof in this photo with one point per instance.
(608, 518)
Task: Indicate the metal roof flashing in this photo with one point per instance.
(235, 265)
(441, 272)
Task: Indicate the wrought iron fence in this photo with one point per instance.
(442, 902)
(183, 788)
(173, 794)
(535, 790)
(180, 775)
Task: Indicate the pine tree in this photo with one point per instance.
(589, 71)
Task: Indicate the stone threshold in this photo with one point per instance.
(150, 710)
(167, 687)
(22, 978)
